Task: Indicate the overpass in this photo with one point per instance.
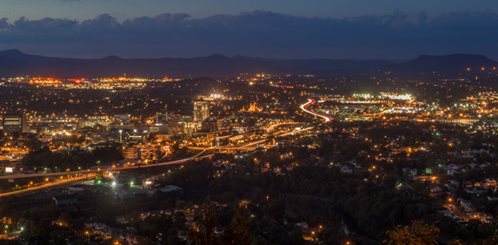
(88, 171)
(49, 185)
(76, 176)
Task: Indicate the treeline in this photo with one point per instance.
(317, 194)
(102, 154)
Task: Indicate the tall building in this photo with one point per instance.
(15, 123)
(162, 117)
(201, 110)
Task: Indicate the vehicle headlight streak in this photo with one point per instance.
(303, 107)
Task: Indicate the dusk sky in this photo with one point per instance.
(264, 28)
(121, 9)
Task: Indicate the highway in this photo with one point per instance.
(250, 145)
(79, 172)
(90, 173)
(48, 185)
(26, 176)
(272, 127)
(326, 119)
(170, 163)
(87, 174)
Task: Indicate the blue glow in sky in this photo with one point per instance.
(122, 9)
(259, 28)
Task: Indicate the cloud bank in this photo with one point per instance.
(259, 34)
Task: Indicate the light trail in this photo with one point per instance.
(303, 107)
(250, 145)
(47, 185)
(272, 127)
(170, 163)
(88, 174)
(39, 175)
(25, 176)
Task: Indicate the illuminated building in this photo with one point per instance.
(201, 111)
(94, 121)
(161, 118)
(182, 125)
(210, 124)
(131, 153)
(189, 128)
(15, 123)
(253, 107)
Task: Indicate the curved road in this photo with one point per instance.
(304, 107)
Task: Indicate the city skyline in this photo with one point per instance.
(230, 122)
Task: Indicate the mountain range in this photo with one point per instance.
(16, 63)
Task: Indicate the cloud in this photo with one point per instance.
(259, 33)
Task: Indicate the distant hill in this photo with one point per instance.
(15, 62)
(453, 63)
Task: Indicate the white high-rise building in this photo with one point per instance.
(201, 111)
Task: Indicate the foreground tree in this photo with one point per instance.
(416, 233)
(239, 231)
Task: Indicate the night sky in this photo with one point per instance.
(359, 29)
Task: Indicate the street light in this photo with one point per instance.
(120, 136)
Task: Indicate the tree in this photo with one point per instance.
(203, 231)
(416, 233)
(491, 240)
(239, 231)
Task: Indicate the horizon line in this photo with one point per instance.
(245, 56)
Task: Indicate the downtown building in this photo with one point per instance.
(15, 123)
